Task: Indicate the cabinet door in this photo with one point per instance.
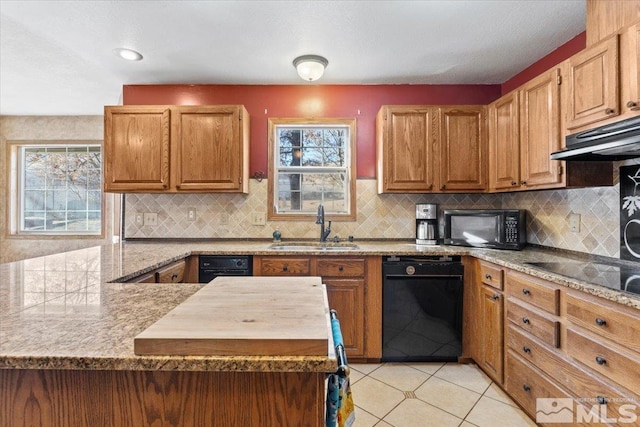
(493, 330)
(346, 296)
(136, 148)
(208, 148)
(593, 84)
(540, 131)
(463, 154)
(631, 71)
(405, 140)
(504, 143)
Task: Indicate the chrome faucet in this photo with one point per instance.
(320, 220)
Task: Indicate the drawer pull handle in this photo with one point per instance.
(526, 349)
(174, 276)
(526, 320)
(526, 387)
(487, 276)
(600, 322)
(602, 400)
(609, 111)
(285, 268)
(632, 104)
(495, 297)
(526, 291)
(601, 360)
(341, 268)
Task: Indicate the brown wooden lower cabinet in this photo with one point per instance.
(492, 326)
(160, 398)
(354, 290)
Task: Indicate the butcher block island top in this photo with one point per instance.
(250, 316)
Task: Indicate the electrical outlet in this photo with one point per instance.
(258, 218)
(191, 214)
(139, 219)
(224, 218)
(574, 222)
(151, 218)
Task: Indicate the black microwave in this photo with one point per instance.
(486, 228)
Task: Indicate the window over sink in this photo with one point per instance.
(312, 162)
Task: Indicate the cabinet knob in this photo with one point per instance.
(602, 400)
(443, 187)
(341, 268)
(514, 183)
(525, 387)
(526, 291)
(633, 105)
(495, 297)
(600, 322)
(285, 268)
(526, 320)
(487, 276)
(430, 187)
(174, 276)
(523, 182)
(601, 360)
(609, 111)
(526, 349)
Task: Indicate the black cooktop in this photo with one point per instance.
(620, 277)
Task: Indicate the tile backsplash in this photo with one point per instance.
(386, 216)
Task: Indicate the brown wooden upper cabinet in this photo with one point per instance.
(430, 149)
(630, 70)
(176, 149)
(593, 84)
(405, 146)
(463, 149)
(540, 131)
(504, 143)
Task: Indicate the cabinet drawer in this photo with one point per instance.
(530, 349)
(534, 292)
(536, 323)
(340, 267)
(173, 273)
(525, 384)
(606, 319)
(613, 364)
(285, 267)
(491, 275)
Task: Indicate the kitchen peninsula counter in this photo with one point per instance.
(70, 311)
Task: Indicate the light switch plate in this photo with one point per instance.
(191, 214)
(258, 218)
(151, 218)
(139, 219)
(574, 222)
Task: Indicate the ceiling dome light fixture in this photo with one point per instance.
(310, 67)
(128, 54)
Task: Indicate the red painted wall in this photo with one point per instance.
(565, 51)
(311, 101)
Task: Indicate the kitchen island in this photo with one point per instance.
(78, 367)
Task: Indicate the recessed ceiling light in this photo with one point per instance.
(128, 54)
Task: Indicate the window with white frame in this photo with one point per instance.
(312, 162)
(58, 189)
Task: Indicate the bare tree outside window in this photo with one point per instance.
(61, 189)
(312, 166)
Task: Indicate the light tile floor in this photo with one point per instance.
(430, 394)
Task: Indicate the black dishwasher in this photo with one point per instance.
(422, 309)
(212, 266)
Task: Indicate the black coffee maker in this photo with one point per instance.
(426, 224)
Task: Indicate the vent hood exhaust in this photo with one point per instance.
(615, 141)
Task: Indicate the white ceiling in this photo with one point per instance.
(56, 56)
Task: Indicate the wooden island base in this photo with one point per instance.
(57, 398)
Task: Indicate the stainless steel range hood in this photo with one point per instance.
(615, 141)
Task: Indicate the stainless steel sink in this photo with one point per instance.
(313, 246)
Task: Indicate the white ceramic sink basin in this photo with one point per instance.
(313, 246)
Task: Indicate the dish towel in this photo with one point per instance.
(340, 407)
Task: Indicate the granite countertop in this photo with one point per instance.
(64, 311)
